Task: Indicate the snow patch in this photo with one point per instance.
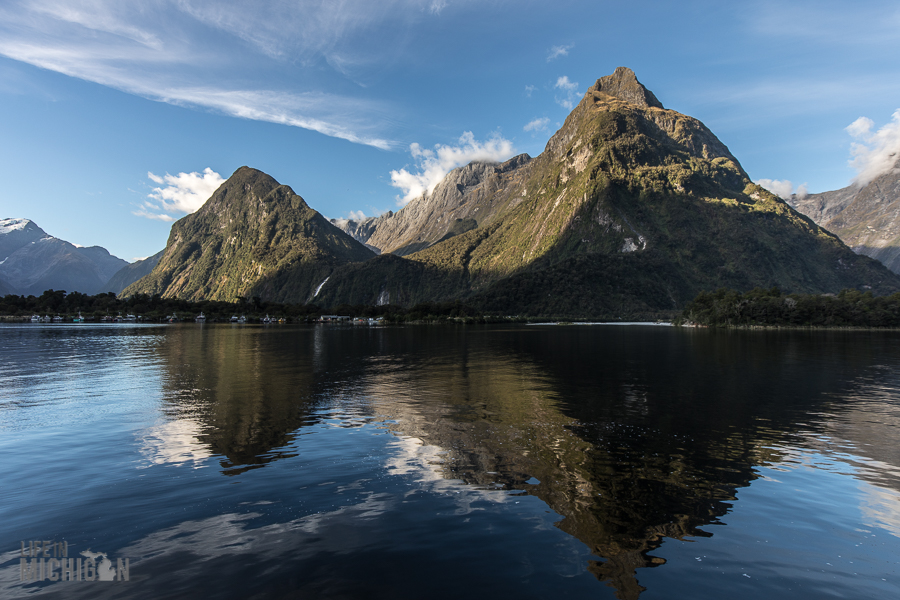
(10, 225)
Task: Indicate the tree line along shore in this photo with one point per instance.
(759, 307)
(723, 308)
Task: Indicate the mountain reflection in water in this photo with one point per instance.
(633, 435)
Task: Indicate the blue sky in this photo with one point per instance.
(358, 104)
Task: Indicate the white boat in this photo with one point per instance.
(234, 319)
(78, 319)
(266, 320)
(242, 320)
(129, 318)
(201, 318)
(172, 318)
(57, 319)
(35, 318)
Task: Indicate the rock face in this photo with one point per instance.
(253, 237)
(133, 272)
(631, 210)
(473, 193)
(623, 84)
(866, 218)
(33, 261)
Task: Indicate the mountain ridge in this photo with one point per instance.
(32, 261)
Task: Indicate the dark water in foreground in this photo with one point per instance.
(439, 462)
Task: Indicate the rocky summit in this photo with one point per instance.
(253, 237)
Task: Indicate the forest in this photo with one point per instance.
(771, 308)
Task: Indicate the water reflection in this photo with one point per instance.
(631, 435)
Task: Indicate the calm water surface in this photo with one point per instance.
(439, 462)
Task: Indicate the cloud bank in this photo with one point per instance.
(875, 152)
(184, 193)
(433, 165)
(784, 189)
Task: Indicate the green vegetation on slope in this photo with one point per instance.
(253, 237)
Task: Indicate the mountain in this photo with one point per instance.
(6, 289)
(131, 273)
(34, 261)
(866, 218)
(253, 237)
(631, 210)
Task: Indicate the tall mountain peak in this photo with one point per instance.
(624, 84)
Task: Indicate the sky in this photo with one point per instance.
(119, 117)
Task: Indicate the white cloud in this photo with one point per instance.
(557, 51)
(262, 64)
(876, 152)
(570, 88)
(356, 215)
(433, 165)
(537, 124)
(143, 212)
(529, 89)
(182, 193)
(783, 188)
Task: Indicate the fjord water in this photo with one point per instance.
(426, 461)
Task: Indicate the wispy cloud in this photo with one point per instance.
(529, 89)
(557, 51)
(537, 124)
(783, 188)
(184, 193)
(570, 89)
(433, 165)
(196, 53)
(875, 152)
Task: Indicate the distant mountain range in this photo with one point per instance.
(631, 210)
(866, 218)
(31, 262)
